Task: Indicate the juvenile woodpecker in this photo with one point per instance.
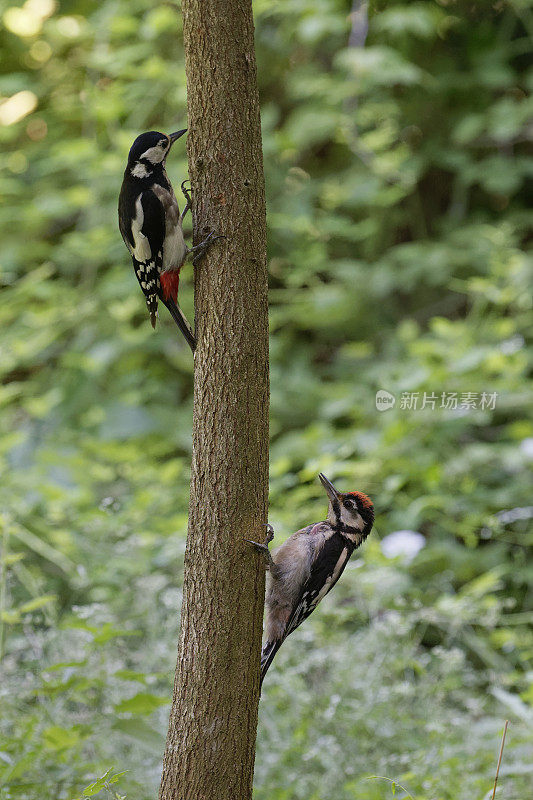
(151, 225)
(309, 564)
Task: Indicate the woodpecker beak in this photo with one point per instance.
(332, 493)
(176, 135)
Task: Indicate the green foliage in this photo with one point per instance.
(396, 180)
(105, 782)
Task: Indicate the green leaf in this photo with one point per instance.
(131, 675)
(11, 558)
(38, 545)
(12, 617)
(98, 785)
(58, 738)
(64, 664)
(141, 703)
(37, 602)
(116, 777)
(108, 632)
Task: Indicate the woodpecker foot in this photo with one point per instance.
(199, 251)
(187, 196)
(186, 191)
(263, 548)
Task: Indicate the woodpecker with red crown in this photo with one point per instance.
(304, 569)
(151, 226)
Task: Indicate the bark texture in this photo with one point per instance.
(213, 721)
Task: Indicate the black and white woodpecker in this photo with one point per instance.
(304, 569)
(151, 226)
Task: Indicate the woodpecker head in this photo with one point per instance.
(351, 512)
(149, 151)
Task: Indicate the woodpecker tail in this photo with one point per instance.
(267, 657)
(151, 302)
(181, 321)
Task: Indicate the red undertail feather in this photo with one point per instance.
(170, 281)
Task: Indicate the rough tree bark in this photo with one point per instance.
(213, 719)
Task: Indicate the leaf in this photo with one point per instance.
(11, 617)
(116, 777)
(65, 664)
(141, 703)
(11, 558)
(58, 738)
(98, 785)
(38, 545)
(108, 632)
(37, 602)
(131, 675)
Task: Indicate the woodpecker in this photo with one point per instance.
(304, 569)
(151, 225)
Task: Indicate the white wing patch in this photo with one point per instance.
(141, 249)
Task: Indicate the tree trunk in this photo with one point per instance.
(213, 720)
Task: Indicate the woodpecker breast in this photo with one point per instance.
(174, 247)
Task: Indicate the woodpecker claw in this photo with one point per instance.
(269, 533)
(187, 196)
(186, 192)
(199, 251)
(263, 548)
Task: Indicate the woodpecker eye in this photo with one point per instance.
(351, 504)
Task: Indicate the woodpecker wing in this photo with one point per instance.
(327, 567)
(331, 554)
(142, 225)
(267, 657)
(149, 234)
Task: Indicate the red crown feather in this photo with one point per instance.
(365, 501)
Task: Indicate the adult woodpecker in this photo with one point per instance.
(151, 225)
(304, 569)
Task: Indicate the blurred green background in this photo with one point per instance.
(397, 215)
